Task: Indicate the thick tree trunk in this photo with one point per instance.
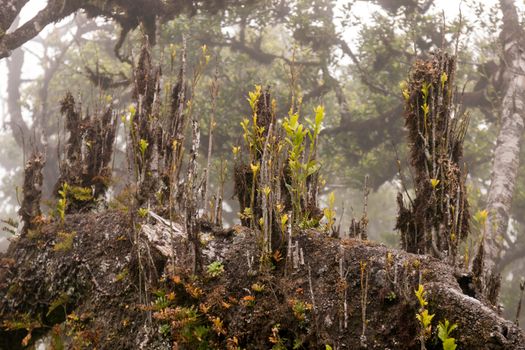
(507, 151)
(94, 279)
(14, 107)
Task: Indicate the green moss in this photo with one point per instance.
(121, 275)
(13, 289)
(64, 242)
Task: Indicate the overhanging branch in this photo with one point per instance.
(53, 12)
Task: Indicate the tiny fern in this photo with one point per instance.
(82, 194)
(143, 146)
(421, 294)
(62, 201)
(423, 316)
(444, 330)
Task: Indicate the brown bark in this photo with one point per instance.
(438, 217)
(89, 148)
(88, 270)
(33, 179)
(8, 12)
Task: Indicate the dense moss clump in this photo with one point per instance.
(437, 219)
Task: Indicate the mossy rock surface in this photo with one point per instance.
(98, 287)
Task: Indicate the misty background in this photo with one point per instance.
(352, 57)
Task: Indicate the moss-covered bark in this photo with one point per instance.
(93, 290)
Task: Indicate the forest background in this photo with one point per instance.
(350, 56)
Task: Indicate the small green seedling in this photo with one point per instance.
(423, 316)
(143, 212)
(62, 201)
(64, 242)
(215, 269)
(444, 330)
(143, 146)
(329, 213)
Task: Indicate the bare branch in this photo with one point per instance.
(53, 12)
(8, 13)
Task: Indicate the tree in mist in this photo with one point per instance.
(362, 97)
(508, 146)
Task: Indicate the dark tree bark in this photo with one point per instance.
(87, 270)
(129, 14)
(8, 13)
(32, 193)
